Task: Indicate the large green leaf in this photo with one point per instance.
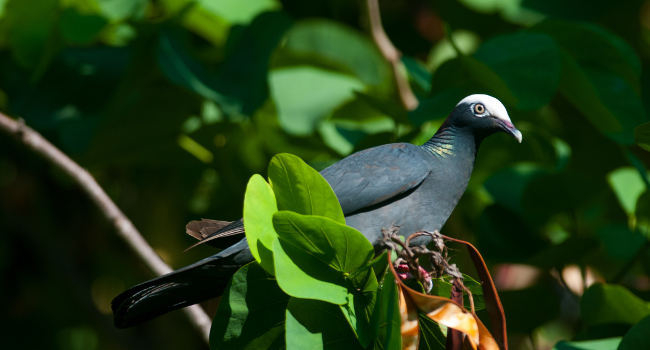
(251, 312)
(306, 95)
(637, 336)
(341, 247)
(609, 303)
(259, 207)
(313, 324)
(300, 188)
(339, 48)
(302, 276)
(513, 56)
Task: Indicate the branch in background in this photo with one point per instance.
(392, 55)
(125, 229)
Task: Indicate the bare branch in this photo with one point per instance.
(392, 55)
(125, 229)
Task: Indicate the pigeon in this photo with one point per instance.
(415, 187)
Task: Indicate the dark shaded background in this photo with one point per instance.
(173, 104)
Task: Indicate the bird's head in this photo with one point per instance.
(484, 115)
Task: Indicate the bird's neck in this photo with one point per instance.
(453, 142)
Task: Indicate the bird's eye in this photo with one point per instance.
(479, 109)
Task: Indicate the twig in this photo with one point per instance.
(392, 55)
(125, 229)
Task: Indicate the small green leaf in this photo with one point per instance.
(300, 188)
(358, 310)
(386, 316)
(251, 312)
(608, 303)
(301, 276)
(259, 207)
(336, 245)
(637, 336)
(628, 186)
(431, 336)
(313, 324)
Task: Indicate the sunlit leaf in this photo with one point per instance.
(259, 207)
(336, 245)
(628, 185)
(316, 283)
(300, 188)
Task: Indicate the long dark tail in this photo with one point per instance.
(189, 285)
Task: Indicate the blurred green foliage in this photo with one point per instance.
(173, 104)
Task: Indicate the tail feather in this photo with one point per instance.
(219, 234)
(189, 285)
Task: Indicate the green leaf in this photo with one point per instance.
(251, 312)
(120, 10)
(431, 336)
(313, 324)
(304, 96)
(80, 29)
(339, 48)
(600, 344)
(358, 310)
(466, 75)
(27, 30)
(637, 336)
(259, 207)
(512, 57)
(300, 188)
(300, 275)
(386, 316)
(239, 12)
(628, 186)
(608, 303)
(333, 244)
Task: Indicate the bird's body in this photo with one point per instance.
(413, 187)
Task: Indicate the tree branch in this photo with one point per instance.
(392, 55)
(125, 229)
